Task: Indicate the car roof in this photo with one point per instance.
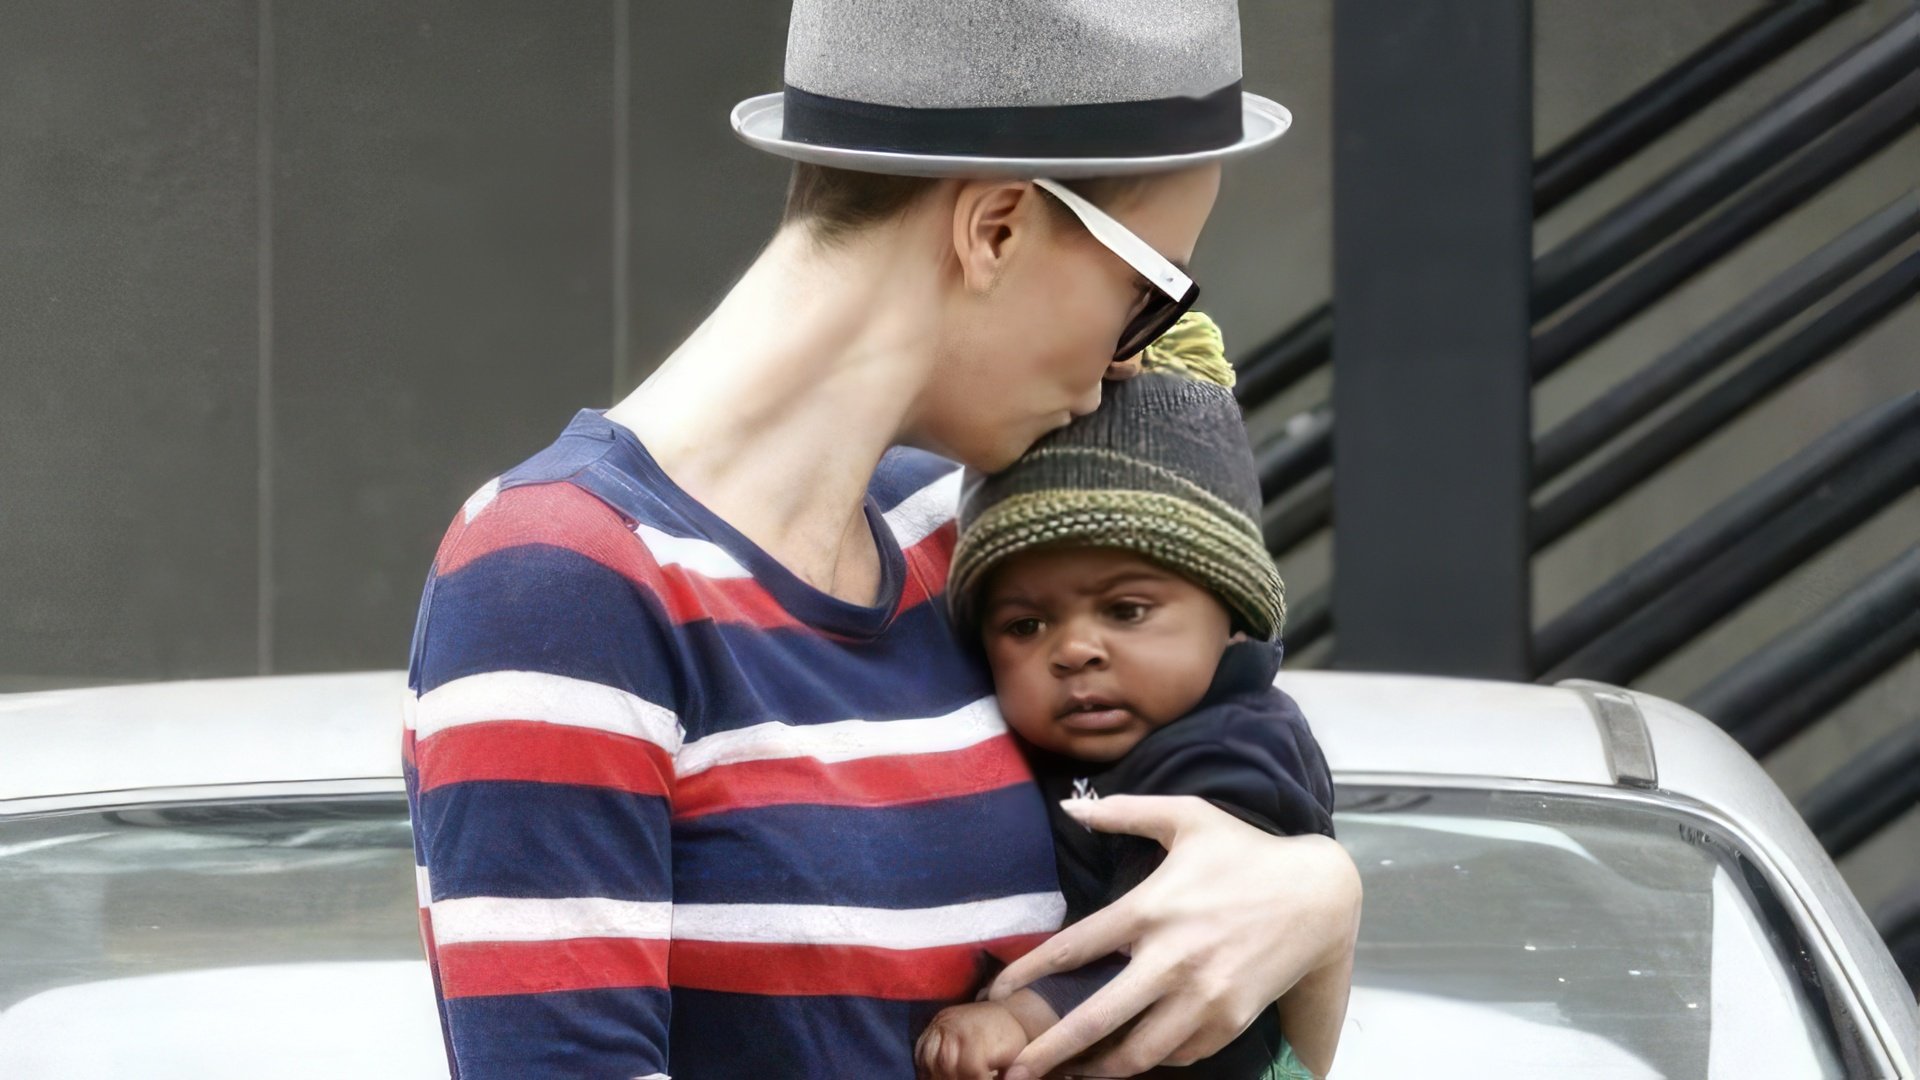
(309, 728)
(114, 745)
(111, 743)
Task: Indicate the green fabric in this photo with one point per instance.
(1287, 1066)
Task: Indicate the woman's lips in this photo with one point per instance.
(1096, 720)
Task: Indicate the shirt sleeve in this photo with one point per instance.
(540, 760)
(1261, 764)
(1258, 761)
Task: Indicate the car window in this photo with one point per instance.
(213, 941)
(1520, 934)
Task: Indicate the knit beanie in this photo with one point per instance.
(1162, 469)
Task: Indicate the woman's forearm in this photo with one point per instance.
(1313, 1012)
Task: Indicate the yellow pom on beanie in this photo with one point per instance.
(1192, 347)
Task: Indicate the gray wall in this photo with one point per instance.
(281, 281)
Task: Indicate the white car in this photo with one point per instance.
(215, 879)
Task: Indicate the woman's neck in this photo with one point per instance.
(776, 410)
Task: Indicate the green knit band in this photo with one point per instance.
(1221, 551)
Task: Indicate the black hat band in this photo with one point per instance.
(1158, 127)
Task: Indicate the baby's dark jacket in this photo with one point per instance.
(1247, 749)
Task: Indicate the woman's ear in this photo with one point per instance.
(991, 218)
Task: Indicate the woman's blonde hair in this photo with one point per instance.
(835, 204)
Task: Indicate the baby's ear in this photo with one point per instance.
(1237, 637)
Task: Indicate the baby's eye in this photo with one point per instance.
(1127, 610)
(1022, 627)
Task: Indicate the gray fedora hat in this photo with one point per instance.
(1024, 88)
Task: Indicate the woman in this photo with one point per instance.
(702, 781)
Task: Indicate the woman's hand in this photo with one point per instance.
(1227, 924)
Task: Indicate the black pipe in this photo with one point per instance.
(1867, 793)
(1719, 406)
(1869, 609)
(1803, 706)
(1285, 527)
(1769, 307)
(1862, 136)
(1616, 135)
(1306, 448)
(1676, 95)
(1295, 353)
(1676, 617)
(1775, 492)
(1568, 509)
(1308, 620)
(1727, 164)
(1898, 920)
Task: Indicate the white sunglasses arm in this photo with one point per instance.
(1138, 254)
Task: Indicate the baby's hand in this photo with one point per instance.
(969, 1042)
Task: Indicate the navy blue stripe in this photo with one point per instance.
(411, 776)
(917, 669)
(975, 847)
(619, 1032)
(547, 609)
(517, 838)
(719, 1036)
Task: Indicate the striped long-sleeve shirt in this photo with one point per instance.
(677, 812)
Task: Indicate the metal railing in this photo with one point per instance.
(1691, 217)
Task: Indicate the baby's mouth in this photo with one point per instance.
(1095, 713)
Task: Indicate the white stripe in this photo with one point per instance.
(422, 887)
(500, 918)
(479, 500)
(922, 513)
(548, 699)
(885, 928)
(703, 557)
(410, 710)
(845, 740)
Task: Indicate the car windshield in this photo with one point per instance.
(1505, 934)
(1521, 934)
(217, 940)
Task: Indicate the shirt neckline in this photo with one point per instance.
(803, 601)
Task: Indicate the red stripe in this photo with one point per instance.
(927, 564)
(564, 516)
(895, 780)
(487, 968)
(407, 738)
(544, 753)
(946, 972)
(688, 597)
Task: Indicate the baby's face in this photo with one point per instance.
(1093, 648)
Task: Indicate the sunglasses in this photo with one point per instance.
(1170, 291)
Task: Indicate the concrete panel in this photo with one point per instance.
(703, 202)
(442, 302)
(127, 340)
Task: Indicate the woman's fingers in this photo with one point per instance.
(1102, 933)
(1156, 817)
(1132, 991)
(1162, 1037)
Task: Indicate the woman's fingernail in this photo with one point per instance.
(1076, 807)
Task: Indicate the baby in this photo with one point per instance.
(1129, 610)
